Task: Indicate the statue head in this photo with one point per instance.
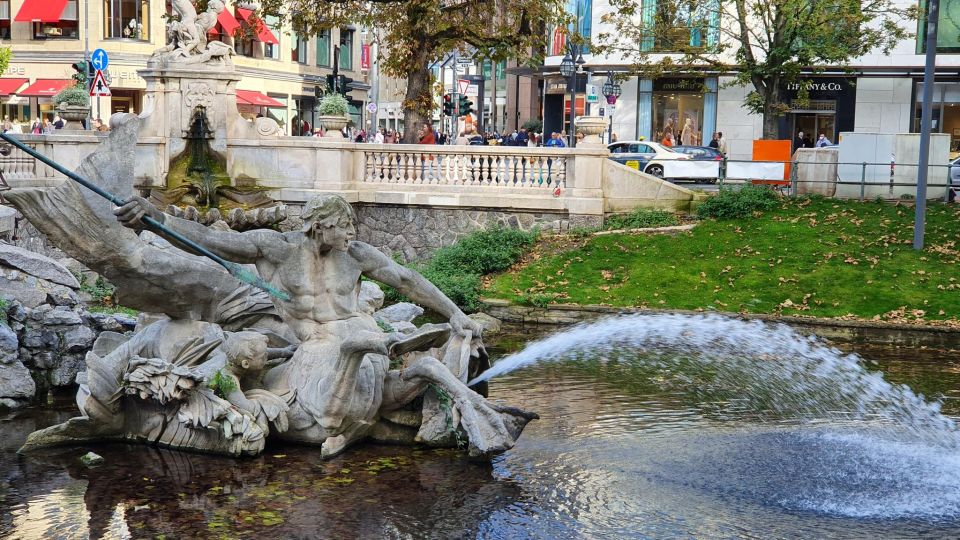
(330, 219)
(246, 351)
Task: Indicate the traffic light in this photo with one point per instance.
(466, 106)
(448, 104)
(84, 71)
(337, 84)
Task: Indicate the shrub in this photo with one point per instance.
(736, 204)
(641, 218)
(533, 125)
(457, 270)
(333, 105)
(72, 95)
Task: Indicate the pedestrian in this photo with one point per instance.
(7, 124)
(317, 132)
(722, 143)
(579, 137)
(47, 126)
(16, 127)
(555, 141)
(715, 141)
(522, 138)
(614, 137)
(800, 141)
(379, 137)
(36, 127)
(822, 141)
(687, 136)
(667, 139)
(58, 123)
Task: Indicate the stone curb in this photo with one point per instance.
(648, 230)
(871, 332)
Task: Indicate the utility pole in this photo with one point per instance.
(919, 222)
(86, 56)
(493, 94)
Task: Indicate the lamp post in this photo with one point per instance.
(611, 91)
(569, 68)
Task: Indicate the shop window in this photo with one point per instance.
(245, 46)
(271, 50)
(299, 52)
(323, 49)
(346, 49)
(126, 19)
(673, 109)
(948, 28)
(4, 19)
(66, 28)
(679, 25)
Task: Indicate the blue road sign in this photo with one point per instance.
(99, 59)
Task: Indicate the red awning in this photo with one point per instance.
(46, 87)
(252, 97)
(10, 86)
(41, 11)
(263, 33)
(227, 22)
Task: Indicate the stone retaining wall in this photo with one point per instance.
(869, 332)
(415, 232)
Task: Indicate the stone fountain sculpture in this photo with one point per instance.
(226, 367)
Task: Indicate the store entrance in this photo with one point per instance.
(813, 124)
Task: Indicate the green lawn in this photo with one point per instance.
(816, 257)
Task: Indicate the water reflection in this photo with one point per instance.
(618, 453)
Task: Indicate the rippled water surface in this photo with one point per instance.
(620, 452)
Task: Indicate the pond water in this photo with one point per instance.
(625, 448)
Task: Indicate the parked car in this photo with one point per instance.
(648, 156)
(954, 179)
(700, 153)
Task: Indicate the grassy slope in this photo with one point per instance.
(815, 257)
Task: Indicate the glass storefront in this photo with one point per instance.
(678, 110)
(946, 111)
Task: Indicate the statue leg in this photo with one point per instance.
(490, 428)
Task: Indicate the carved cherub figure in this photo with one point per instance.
(248, 358)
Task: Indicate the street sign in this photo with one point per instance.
(463, 85)
(100, 60)
(99, 86)
(371, 107)
(592, 98)
(464, 60)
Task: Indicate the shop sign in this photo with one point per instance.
(15, 70)
(678, 85)
(815, 86)
(365, 56)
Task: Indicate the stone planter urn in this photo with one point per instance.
(591, 127)
(333, 125)
(73, 113)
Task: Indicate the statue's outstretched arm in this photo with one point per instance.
(245, 247)
(411, 284)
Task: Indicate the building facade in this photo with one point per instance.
(282, 73)
(878, 93)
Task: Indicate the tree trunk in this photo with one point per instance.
(771, 112)
(418, 101)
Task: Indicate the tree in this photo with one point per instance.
(767, 44)
(413, 34)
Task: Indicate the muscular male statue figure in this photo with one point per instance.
(340, 372)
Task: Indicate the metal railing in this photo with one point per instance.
(866, 177)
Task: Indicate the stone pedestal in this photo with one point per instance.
(591, 127)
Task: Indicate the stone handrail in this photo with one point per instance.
(494, 166)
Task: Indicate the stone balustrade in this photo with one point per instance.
(576, 185)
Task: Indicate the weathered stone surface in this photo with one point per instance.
(414, 232)
(65, 373)
(28, 292)
(40, 338)
(79, 339)
(91, 459)
(62, 317)
(371, 297)
(401, 311)
(9, 345)
(490, 325)
(16, 382)
(63, 296)
(36, 265)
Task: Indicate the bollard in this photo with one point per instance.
(863, 180)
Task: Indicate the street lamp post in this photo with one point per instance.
(569, 68)
(611, 91)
